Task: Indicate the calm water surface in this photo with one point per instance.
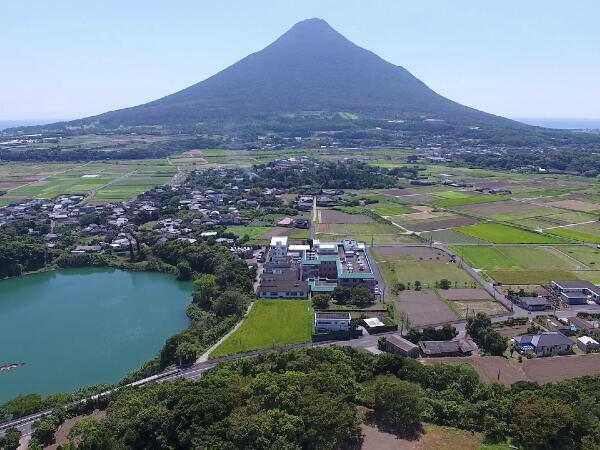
(78, 327)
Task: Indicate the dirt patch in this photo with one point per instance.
(575, 205)
(505, 208)
(511, 332)
(279, 231)
(465, 294)
(407, 252)
(424, 213)
(333, 216)
(418, 198)
(441, 224)
(322, 228)
(475, 206)
(558, 368)
(468, 308)
(424, 308)
(61, 435)
(490, 368)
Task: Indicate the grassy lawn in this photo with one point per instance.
(504, 234)
(531, 276)
(270, 322)
(574, 234)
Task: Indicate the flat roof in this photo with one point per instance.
(279, 240)
(332, 315)
(298, 247)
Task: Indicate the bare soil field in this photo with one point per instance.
(333, 216)
(503, 209)
(476, 206)
(488, 367)
(465, 294)
(407, 252)
(575, 205)
(441, 224)
(418, 198)
(468, 308)
(425, 213)
(424, 308)
(557, 368)
(511, 332)
(280, 231)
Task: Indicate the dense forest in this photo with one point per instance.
(324, 175)
(310, 398)
(577, 161)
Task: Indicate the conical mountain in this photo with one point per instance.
(311, 67)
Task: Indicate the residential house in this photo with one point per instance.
(587, 344)
(534, 303)
(544, 344)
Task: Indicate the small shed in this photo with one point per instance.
(587, 344)
(397, 344)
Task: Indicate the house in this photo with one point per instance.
(285, 222)
(534, 303)
(457, 347)
(301, 223)
(326, 322)
(576, 292)
(581, 324)
(87, 249)
(397, 344)
(587, 344)
(544, 344)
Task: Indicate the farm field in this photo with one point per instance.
(424, 308)
(574, 234)
(530, 277)
(453, 202)
(378, 233)
(429, 273)
(263, 328)
(517, 257)
(504, 234)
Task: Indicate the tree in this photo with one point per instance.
(417, 285)
(445, 284)
(10, 440)
(320, 301)
(228, 303)
(398, 287)
(400, 402)
(362, 295)
(205, 290)
(45, 429)
(542, 422)
(186, 353)
(88, 434)
(341, 295)
(184, 271)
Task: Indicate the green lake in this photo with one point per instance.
(77, 327)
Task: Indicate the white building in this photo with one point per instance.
(587, 344)
(278, 248)
(327, 322)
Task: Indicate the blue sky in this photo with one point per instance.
(67, 59)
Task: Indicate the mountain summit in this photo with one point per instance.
(310, 68)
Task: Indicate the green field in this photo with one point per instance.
(468, 200)
(427, 272)
(531, 276)
(255, 233)
(589, 256)
(516, 258)
(574, 234)
(504, 234)
(270, 323)
(484, 257)
(452, 194)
